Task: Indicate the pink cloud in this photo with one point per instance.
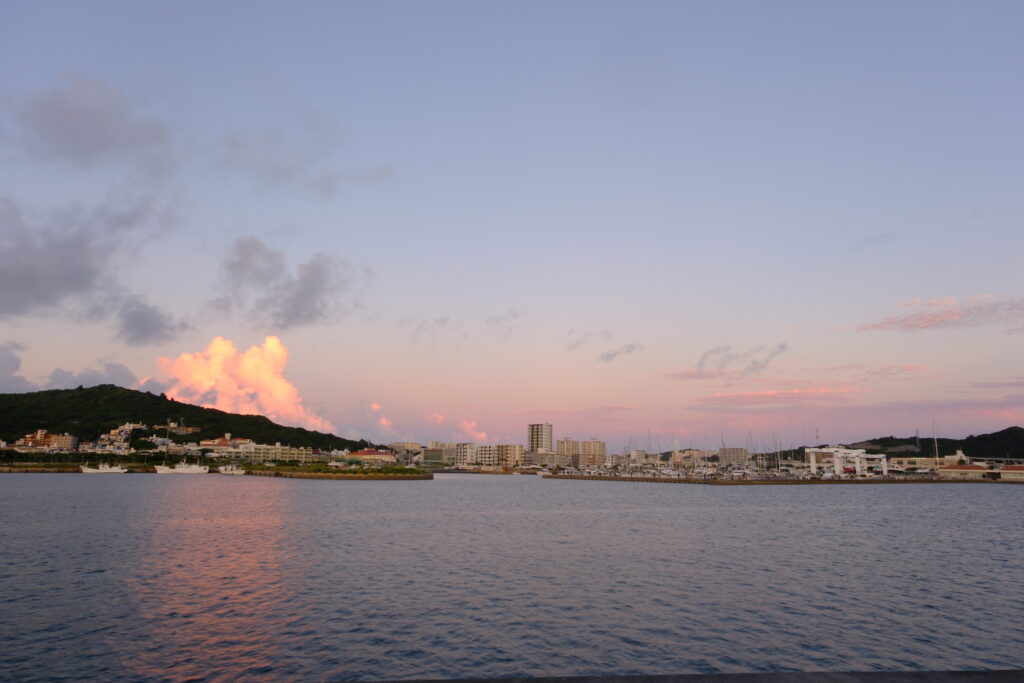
(435, 418)
(696, 375)
(469, 427)
(249, 383)
(375, 407)
(952, 313)
(798, 395)
(385, 422)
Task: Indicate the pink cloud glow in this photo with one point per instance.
(385, 423)
(435, 418)
(469, 428)
(952, 313)
(798, 395)
(249, 383)
(375, 407)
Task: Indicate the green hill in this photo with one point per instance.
(87, 413)
(1007, 443)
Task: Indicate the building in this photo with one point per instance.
(539, 439)
(964, 472)
(465, 454)
(593, 453)
(43, 439)
(569, 449)
(927, 462)
(1012, 473)
(371, 457)
(258, 452)
(224, 444)
(733, 456)
(510, 454)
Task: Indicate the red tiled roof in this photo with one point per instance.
(964, 467)
(1014, 468)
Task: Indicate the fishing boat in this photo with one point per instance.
(236, 470)
(182, 468)
(103, 468)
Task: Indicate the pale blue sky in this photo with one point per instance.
(673, 175)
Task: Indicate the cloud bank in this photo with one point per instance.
(722, 362)
(264, 288)
(249, 383)
(609, 356)
(953, 313)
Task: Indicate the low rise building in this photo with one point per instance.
(371, 457)
(224, 444)
(964, 472)
(44, 440)
(1012, 473)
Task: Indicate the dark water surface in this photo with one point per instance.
(213, 577)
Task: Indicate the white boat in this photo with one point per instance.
(103, 468)
(231, 469)
(182, 468)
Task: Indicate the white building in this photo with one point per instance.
(465, 453)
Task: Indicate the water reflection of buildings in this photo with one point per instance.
(209, 582)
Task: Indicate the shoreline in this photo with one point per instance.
(774, 482)
(330, 475)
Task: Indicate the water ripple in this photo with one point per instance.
(145, 577)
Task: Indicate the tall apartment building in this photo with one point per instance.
(593, 453)
(539, 439)
(570, 450)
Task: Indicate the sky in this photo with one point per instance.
(660, 224)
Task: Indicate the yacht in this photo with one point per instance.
(182, 468)
(103, 468)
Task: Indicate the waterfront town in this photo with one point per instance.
(544, 455)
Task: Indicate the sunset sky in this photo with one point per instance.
(676, 223)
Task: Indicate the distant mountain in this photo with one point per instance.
(1008, 443)
(87, 413)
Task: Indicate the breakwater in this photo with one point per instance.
(773, 482)
(37, 470)
(331, 475)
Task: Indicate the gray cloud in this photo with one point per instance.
(10, 363)
(609, 356)
(955, 313)
(298, 157)
(140, 323)
(434, 330)
(70, 260)
(43, 265)
(264, 288)
(85, 120)
(109, 373)
(722, 362)
(504, 324)
(578, 338)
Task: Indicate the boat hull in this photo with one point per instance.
(182, 468)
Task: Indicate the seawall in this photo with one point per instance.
(774, 482)
(331, 475)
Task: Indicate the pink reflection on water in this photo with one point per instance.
(210, 586)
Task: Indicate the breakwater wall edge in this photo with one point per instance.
(775, 482)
